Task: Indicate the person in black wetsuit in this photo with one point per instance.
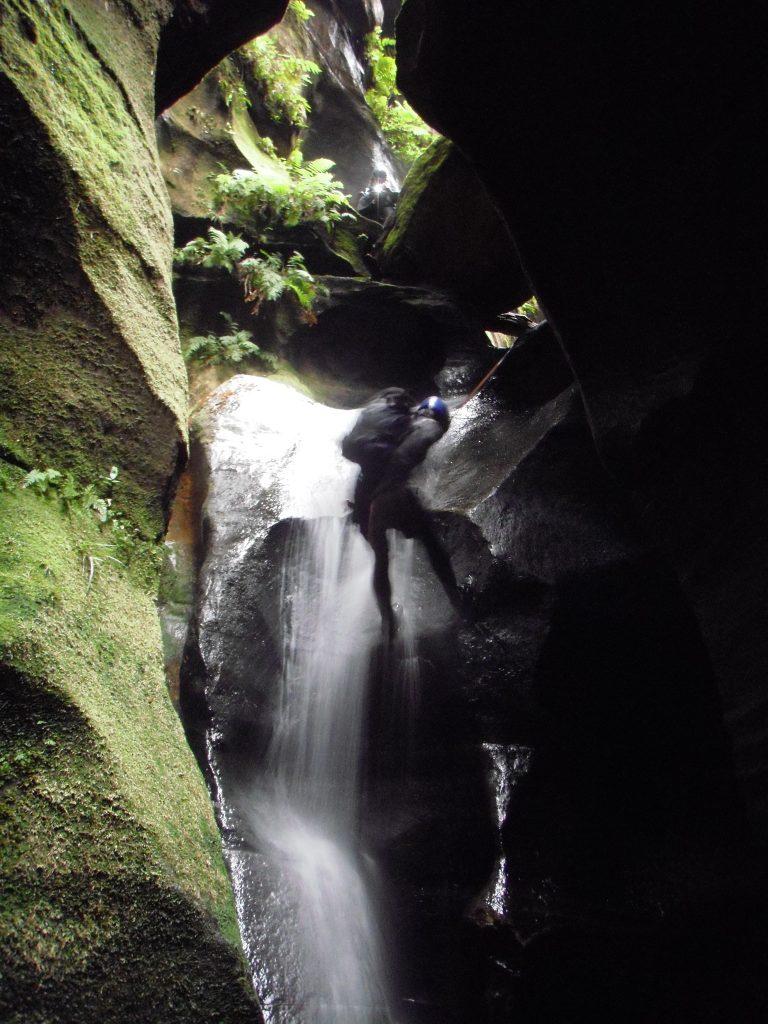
(378, 200)
(388, 441)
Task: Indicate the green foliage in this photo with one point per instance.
(95, 500)
(406, 133)
(98, 497)
(297, 194)
(94, 497)
(531, 309)
(231, 83)
(234, 347)
(42, 481)
(222, 249)
(265, 278)
(283, 78)
(299, 11)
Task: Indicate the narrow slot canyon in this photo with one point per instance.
(241, 780)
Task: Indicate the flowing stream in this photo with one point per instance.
(309, 794)
(287, 579)
(306, 890)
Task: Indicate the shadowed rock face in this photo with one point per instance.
(369, 334)
(116, 904)
(637, 211)
(447, 234)
(341, 126)
(199, 34)
(581, 705)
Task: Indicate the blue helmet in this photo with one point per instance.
(437, 409)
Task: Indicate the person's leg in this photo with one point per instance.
(382, 588)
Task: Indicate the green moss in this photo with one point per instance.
(85, 134)
(413, 187)
(48, 56)
(96, 778)
(114, 893)
(62, 404)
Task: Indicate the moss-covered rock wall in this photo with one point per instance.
(115, 902)
(89, 359)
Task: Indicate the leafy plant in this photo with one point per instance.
(221, 249)
(231, 84)
(93, 497)
(531, 309)
(406, 133)
(283, 78)
(265, 278)
(234, 347)
(299, 11)
(42, 481)
(98, 497)
(295, 194)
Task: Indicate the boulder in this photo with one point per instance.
(198, 35)
(580, 701)
(370, 335)
(447, 234)
(115, 894)
(673, 270)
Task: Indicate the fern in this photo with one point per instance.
(234, 347)
(42, 481)
(301, 283)
(222, 249)
(265, 278)
(299, 12)
(283, 78)
(298, 194)
(406, 133)
(93, 497)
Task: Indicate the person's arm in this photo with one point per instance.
(410, 453)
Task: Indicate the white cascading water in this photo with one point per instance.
(314, 941)
(313, 772)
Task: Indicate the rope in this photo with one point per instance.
(479, 387)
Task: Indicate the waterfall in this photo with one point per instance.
(305, 805)
(305, 890)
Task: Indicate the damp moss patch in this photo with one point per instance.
(89, 349)
(110, 861)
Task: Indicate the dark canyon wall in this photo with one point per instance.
(620, 144)
(623, 151)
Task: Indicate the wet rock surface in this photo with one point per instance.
(582, 671)
(672, 368)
